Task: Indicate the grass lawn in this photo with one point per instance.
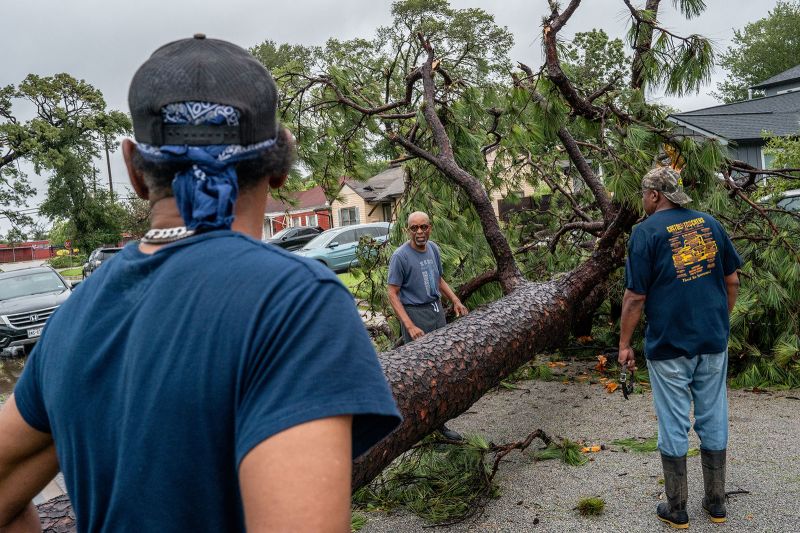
(350, 281)
(75, 271)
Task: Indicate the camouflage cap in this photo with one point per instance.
(668, 182)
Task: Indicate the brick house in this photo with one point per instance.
(25, 251)
(306, 208)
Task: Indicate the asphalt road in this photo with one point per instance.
(763, 459)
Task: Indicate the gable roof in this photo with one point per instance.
(747, 120)
(387, 184)
(303, 200)
(784, 77)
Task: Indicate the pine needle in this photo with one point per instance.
(591, 506)
(638, 445)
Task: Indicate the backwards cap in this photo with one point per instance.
(203, 70)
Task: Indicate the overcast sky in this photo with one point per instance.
(104, 41)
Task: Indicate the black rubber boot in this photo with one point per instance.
(449, 433)
(676, 488)
(714, 482)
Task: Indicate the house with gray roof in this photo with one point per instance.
(740, 126)
(373, 200)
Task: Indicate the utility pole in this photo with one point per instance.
(108, 163)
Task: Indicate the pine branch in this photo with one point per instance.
(590, 227)
(555, 22)
(586, 172)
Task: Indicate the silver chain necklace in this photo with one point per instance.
(166, 235)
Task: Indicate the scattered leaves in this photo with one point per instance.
(591, 449)
(601, 364)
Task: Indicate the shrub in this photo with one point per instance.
(66, 261)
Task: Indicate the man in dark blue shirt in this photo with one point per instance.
(681, 270)
(197, 382)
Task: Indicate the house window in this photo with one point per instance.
(348, 216)
(767, 160)
(311, 220)
(387, 212)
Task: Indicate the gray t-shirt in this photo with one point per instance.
(416, 273)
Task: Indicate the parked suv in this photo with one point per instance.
(294, 238)
(27, 299)
(336, 247)
(96, 258)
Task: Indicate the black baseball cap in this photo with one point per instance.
(203, 70)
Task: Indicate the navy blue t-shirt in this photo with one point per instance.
(416, 273)
(161, 372)
(679, 258)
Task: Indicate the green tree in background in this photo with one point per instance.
(136, 220)
(70, 128)
(761, 50)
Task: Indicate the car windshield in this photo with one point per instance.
(282, 233)
(26, 284)
(320, 240)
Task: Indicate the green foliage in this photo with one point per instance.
(765, 324)
(66, 261)
(761, 50)
(566, 451)
(591, 60)
(764, 374)
(527, 372)
(638, 445)
(591, 506)
(96, 219)
(61, 232)
(440, 483)
(357, 521)
(136, 220)
(679, 64)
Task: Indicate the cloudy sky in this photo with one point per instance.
(105, 41)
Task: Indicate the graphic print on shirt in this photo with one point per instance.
(694, 250)
(429, 273)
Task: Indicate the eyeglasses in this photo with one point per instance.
(417, 227)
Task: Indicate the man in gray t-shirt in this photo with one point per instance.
(416, 285)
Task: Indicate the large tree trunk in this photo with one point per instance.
(441, 375)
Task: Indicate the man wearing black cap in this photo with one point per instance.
(196, 382)
(681, 270)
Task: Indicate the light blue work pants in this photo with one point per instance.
(679, 381)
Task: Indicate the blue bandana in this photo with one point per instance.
(205, 192)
